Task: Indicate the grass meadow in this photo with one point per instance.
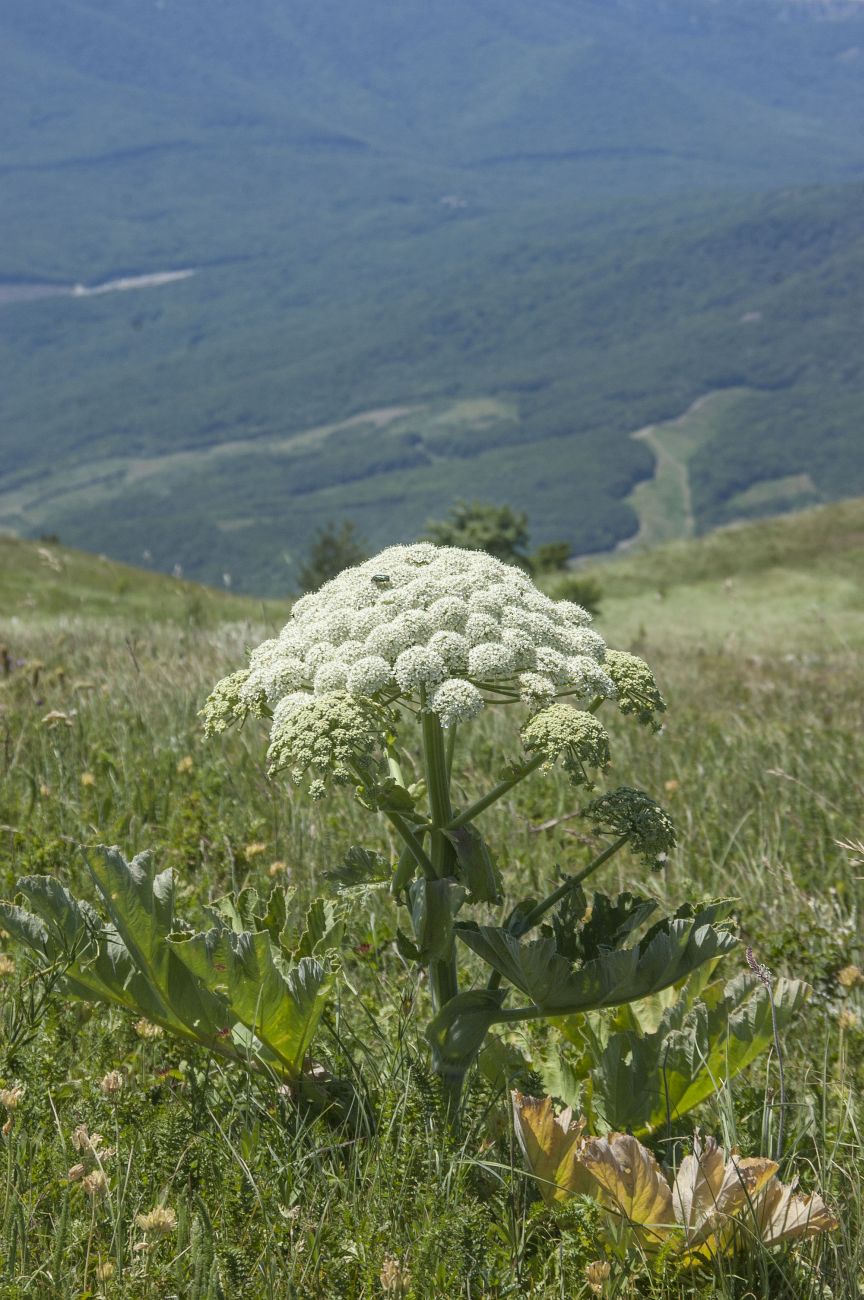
(761, 765)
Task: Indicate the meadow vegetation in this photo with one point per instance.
(208, 1181)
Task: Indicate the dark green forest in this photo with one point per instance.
(520, 232)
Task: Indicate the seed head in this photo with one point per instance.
(634, 813)
(395, 1278)
(596, 1274)
(146, 1029)
(10, 1097)
(159, 1222)
(112, 1085)
(577, 738)
(95, 1183)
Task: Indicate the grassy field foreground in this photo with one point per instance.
(756, 637)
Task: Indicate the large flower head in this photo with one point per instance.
(447, 629)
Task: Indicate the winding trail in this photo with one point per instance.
(15, 291)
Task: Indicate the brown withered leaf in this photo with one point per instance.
(632, 1182)
(781, 1215)
(550, 1144)
(709, 1190)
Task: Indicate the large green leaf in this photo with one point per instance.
(323, 930)
(458, 1030)
(641, 1081)
(70, 934)
(633, 1072)
(215, 988)
(667, 954)
(140, 903)
(281, 1005)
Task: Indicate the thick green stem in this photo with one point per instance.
(443, 978)
(404, 831)
(480, 805)
(539, 910)
(451, 745)
(438, 785)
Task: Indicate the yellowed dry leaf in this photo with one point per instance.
(698, 1186)
(710, 1191)
(632, 1181)
(550, 1144)
(782, 1215)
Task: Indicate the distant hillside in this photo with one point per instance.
(45, 581)
(507, 236)
(760, 588)
(754, 589)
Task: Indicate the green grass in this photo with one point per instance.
(664, 502)
(760, 763)
(42, 581)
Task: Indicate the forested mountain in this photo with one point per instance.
(505, 236)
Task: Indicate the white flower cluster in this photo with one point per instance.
(446, 623)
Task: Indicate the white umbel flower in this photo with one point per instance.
(456, 701)
(420, 622)
(418, 667)
(369, 675)
(491, 661)
(453, 649)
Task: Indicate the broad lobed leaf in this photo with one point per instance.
(238, 976)
(667, 954)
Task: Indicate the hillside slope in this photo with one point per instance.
(44, 582)
(520, 377)
(423, 207)
(759, 588)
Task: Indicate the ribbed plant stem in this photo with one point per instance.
(480, 805)
(540, 909)
(443, 979)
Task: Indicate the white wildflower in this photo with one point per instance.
(590, 678)
(535, 690)
(350, 651)
(369, 675)
(481, 628)
(456, 701)
(551, 663)
(418, 667)
(286, 707)
(386, 641)
(572, 614)
(577, 738)
(524, 652)
(583, 641)
(491, 661)
(449, 613)
(320, 653)
(452, 648)
(331, 676)
(500, 596)
(329, 734)
(637, 690)
(417, 618)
